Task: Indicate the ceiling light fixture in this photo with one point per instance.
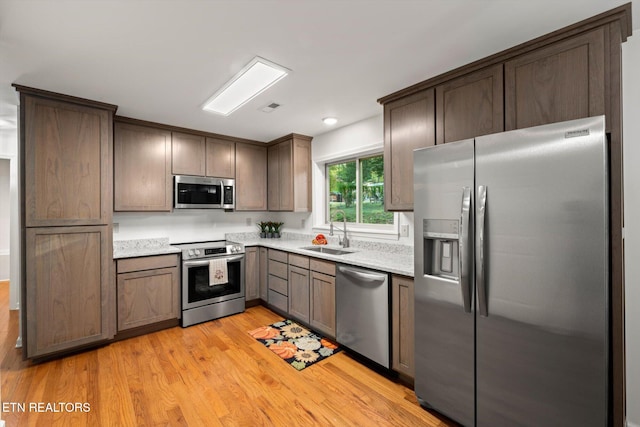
(329, 121)
(256, 77)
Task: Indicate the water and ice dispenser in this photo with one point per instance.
(441, 247)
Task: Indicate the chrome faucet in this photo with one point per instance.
(345, 240)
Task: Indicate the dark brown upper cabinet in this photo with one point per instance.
(408, 125)
(221, 158)
(142, 168)
(67, 160)
(563, 81)
(187, 154)
(202, 156)
(289, 174)
(470, 106)
(251, 177)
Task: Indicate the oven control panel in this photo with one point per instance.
(210, 249)
(236, 249)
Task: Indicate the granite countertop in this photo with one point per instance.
(388, 257)
(143, 247)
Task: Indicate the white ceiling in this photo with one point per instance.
(160, 60)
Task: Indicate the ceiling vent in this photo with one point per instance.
(270, 107)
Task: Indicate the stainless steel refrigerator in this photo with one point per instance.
(512, 277)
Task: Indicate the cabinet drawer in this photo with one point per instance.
(278, 255)
(278, 301)
(278, 269)
(278, 284)
(326, 267)
(127, 265)
(299, 261)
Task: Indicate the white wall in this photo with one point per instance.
(365, 136)
(4, 219)
(186, 225)
(9, 150)
(631, 136)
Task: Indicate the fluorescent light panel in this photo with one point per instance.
(256, 77)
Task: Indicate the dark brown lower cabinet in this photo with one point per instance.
(148, 290)
(402, 319)
(323, 296)
(69, 298)
(251, 274)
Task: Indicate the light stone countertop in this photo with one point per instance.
(143, 247)
(387, 257)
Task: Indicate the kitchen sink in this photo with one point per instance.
(324, 250)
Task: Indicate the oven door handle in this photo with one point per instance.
(206, 262)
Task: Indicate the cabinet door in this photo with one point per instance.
(264, 273)
(221, 158)
(299, 293)
(69, 299)
(564, 81)
(280, 179)
(402, 325)
(251, 177)
(285, 184)
(409, 123)
(273, 178)
(470, 106)
(323, 303)
(147, 297)
(252, 274)
(142, 168)
(301, 175)
(187, 154)
(68, 163)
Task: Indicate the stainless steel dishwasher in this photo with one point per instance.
(362, 308)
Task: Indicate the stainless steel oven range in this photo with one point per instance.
(204, 296)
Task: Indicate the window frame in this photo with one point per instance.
(358, 227)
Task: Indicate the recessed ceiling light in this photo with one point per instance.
(257, 76)
(329, 121)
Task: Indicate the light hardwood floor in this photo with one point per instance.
(212, 374)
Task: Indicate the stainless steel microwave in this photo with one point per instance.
(197, 192)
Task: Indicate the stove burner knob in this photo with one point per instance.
(190, 252)
(197, 251)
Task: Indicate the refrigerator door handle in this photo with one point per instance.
(463, 255)
(480, 240)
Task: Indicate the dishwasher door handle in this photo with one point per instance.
(361, 276)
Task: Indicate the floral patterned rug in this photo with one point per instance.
(296, 345)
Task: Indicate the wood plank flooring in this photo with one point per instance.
(212, 374)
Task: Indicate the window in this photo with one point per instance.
(356, 186)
